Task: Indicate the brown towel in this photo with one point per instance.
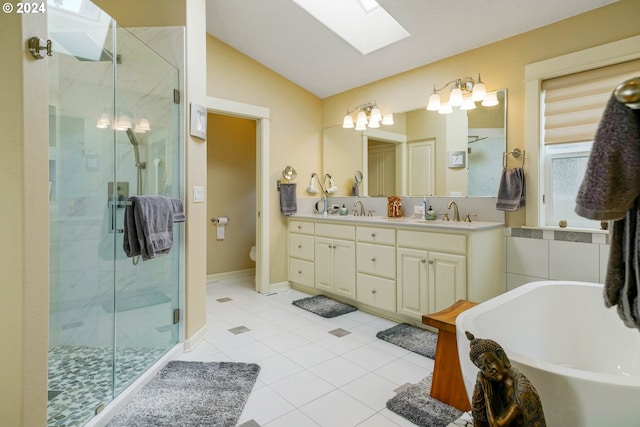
(610, 191)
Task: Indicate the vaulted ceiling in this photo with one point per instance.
(283, 37)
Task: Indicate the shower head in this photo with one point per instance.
(132, 137)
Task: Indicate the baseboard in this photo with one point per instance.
(115, 406)
(274, 288)
(195, 339)
(230, 274)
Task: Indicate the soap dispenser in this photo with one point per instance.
(430, 214)
(343, 210)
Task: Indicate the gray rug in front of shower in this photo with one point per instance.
(191, 394)
(415, 404)
(411, 338)
(324, 306)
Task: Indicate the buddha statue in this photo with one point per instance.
(502, 397)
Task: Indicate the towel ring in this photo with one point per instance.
(515, 153)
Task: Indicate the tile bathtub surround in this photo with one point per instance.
(314, 371)
(547, 254)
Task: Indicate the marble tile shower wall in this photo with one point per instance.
(534, 254)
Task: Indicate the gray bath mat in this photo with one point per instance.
(411, 338)
(191, 394)
(324, 306)
(415, 404)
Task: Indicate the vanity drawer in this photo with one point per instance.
(376, 292)
(301, 227)
(336, 231)
(301, 272)
(376, 259)
(385, 236)
(452, 243)
(301, 246)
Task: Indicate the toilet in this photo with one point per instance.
(252, 253)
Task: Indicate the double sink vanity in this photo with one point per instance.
(399, 268)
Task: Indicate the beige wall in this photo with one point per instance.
(24, 224)
(501, 64)
(231, 192)
(296, 131)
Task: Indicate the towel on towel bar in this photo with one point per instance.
(511, 196)
(288, 201)
(610, 190)
(148, 226)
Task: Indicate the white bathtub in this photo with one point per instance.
(580, 357)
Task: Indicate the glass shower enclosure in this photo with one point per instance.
(114, 132)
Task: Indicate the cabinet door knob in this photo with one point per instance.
(299, 246)
(423, 261)
(373, 259)
(299, 271)
(431, 262)
(373, 234)
(373, 291)
(299, 227)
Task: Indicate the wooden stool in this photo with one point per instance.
(447, 385)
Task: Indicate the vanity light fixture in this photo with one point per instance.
(464, 94)
(104, 121)
(326, 189)
(369, 116)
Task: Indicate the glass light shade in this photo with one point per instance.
(434, 102)
(374, 124)
(347, 123)
(375, 115)
(455, 97)
(491, 100)
(144, 125)
(104, 121)
(312, 189)
(331, 188)
(361, 126)
(467, 103)
(123, 123)
(445, 108)
(479, 91)
(361, 119)
(387, 119)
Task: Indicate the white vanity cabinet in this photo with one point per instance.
(376, 266)
(301, 252)
(429, 281)
(397, 269)
(335, 259)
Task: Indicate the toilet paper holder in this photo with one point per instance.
(216, 220)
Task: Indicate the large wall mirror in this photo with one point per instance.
(423, 152)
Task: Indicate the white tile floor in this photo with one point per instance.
(308, 376)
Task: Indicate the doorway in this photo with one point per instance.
(261, 115)
(231, 195)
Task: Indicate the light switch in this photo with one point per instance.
(198, 194)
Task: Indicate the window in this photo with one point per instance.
(572, 106)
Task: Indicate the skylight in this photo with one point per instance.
(362, 23)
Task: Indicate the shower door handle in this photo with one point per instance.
(113, 207)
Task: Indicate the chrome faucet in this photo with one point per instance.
(362, 211)
(456, 214)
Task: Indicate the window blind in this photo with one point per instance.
(573, 104)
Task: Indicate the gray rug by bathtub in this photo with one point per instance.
(191, 394)
(415, 404)
(411, 338)
(324, 306)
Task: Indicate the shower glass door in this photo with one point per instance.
(146, 163)
(111, 317)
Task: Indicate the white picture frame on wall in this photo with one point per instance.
(198, 122)
(456, 159)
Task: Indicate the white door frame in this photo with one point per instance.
(262, 116)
